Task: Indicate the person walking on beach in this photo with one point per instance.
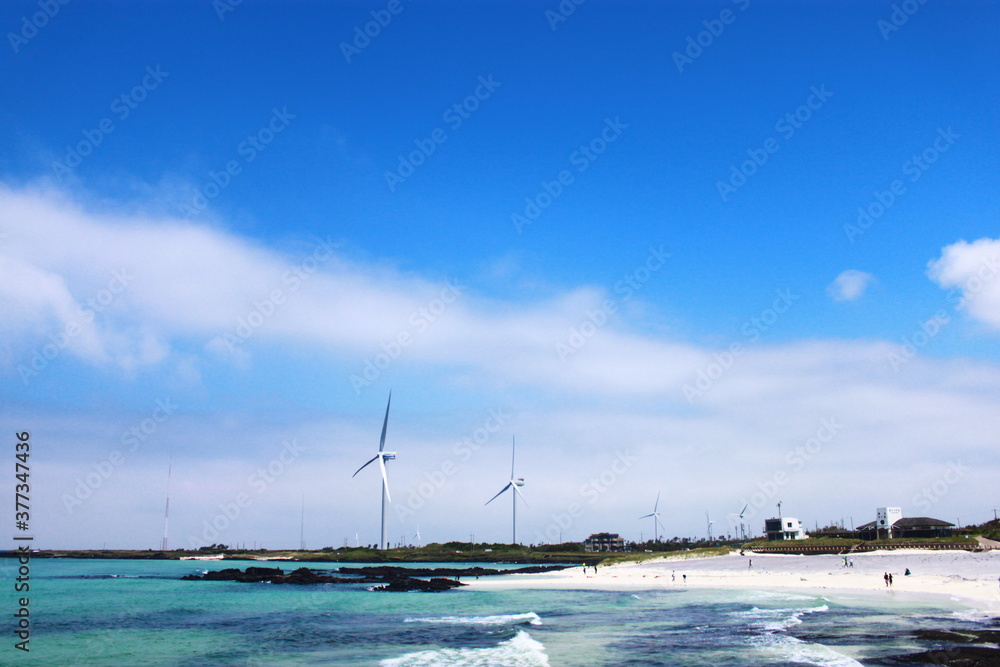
(749, 563)
(885, 576)
(890, 579)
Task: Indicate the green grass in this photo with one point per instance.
(705, 552)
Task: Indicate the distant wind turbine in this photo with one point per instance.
(514, 483)
(166, 511)
(742, 533)
(656, 517)
(710, 522)
(417, 537)
(382, 456)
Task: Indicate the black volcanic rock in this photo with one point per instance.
(958, 656)
(390, 580)
(252, 575)
(406, 584)
(395, 570)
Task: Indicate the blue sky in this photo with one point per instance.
(236, 173)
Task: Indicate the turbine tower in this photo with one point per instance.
(382, 456)
(514, 483)
(166, 511)
(656, 517)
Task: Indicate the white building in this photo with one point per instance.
(885, 517)
(784, 528)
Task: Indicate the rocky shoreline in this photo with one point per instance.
(957, 648)
(382, 578)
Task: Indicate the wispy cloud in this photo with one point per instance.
(850, 285)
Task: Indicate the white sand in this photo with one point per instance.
(971, 578)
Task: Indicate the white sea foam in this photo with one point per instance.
(772, 620)
(974, 615)
(530, 618)
(777, 644)
(790, 649)
(518, 651)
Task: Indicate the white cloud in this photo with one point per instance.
(156, 280)
(849, 285)
(972, 269)
(616, 391)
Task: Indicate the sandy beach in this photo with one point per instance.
(970, 578)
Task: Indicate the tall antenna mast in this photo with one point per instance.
(166, 512)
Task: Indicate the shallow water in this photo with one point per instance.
(111, 612)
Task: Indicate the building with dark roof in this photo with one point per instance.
(917, 526)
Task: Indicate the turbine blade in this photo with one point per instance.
(743, 511)
(646, 516)
(499, 494)
(371, 460)
(385, 422)
(385, 478)
(518, 492)
(656, 506)
(513, 445)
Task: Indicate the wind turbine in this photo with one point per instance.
(656, 517)
(417, 537)
(514, 483)
(743, 534)
(382, 456)
(710, 522)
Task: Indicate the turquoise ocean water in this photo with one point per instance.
(112, 612)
